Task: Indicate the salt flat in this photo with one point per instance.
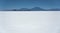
(30, 22)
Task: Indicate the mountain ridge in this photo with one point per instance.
(34, 9)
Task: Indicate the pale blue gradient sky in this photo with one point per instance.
(46, 4)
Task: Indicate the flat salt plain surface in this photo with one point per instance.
(30, 22)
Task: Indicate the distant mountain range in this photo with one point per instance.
(34, 9)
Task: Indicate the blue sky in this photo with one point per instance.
(46, 4)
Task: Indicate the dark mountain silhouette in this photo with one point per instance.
(14, 10)
(24, 9)
(34, 9)
(37, 9)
